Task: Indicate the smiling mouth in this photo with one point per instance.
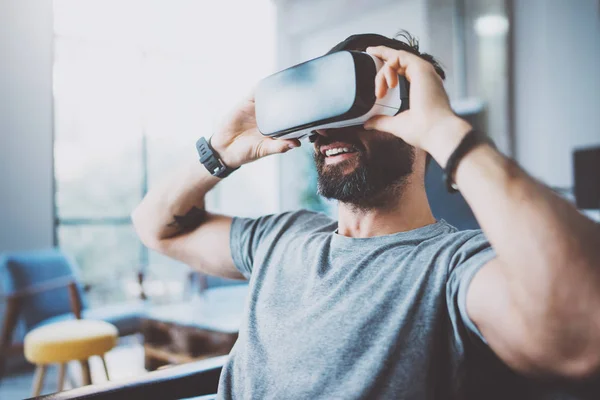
(339, 150)
(339, 154)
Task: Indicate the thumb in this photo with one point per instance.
(384, 123)
(277, 146)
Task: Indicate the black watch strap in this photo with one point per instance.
(471, 140)
(211, 161)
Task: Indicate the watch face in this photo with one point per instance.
(333, 87)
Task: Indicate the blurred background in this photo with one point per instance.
(99, 99)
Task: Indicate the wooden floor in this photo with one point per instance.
(125, 361)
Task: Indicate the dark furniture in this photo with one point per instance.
(206, 326)
(184, 381)
(586, 171)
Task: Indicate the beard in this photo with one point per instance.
(377, 177)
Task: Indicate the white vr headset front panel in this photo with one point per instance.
(390, 104)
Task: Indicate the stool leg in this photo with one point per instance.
(38, 379)
(61, 376)
(71, 377)
(85, 372)
(105, 367)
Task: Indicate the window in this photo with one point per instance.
(135, 84)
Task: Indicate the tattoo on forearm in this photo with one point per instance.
(188, 222)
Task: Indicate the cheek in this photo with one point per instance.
(375, 139)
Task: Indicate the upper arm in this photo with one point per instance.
(207, 248)
(225, 246)
(481, 306)
(491, 309)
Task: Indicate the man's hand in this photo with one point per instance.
(172, 218)
(239, 142)
(429, 124)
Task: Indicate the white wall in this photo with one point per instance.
(26, 194)
(557, 84)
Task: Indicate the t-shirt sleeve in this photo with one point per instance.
(245, 237)
(250, 236)
(474, 252)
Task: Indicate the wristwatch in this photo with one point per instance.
(211, 160)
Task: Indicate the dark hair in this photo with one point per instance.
(403, 40)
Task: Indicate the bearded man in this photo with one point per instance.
(387, 302)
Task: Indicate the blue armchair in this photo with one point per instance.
(34, 286)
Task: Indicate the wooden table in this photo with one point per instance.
(201, 328)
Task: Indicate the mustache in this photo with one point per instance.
(341, 135)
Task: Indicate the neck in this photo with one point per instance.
(402, 212)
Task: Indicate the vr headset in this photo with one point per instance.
(332, 91)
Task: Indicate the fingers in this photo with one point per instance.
(399, 61)
(276, 146)
(382, 123)
(390, 76)
(293, 143)
(385, 78)
(381, 86)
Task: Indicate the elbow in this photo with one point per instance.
(144, 231)
(580, 368)
(573, 362)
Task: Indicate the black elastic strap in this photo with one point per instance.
(471, 140)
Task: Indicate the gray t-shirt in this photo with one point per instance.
(333, 317)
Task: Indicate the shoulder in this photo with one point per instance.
(290, 222)
(460, 246)
(304, 221)
(451, 237)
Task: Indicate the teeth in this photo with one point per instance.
(338, 150)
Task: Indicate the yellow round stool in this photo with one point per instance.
(61, 342)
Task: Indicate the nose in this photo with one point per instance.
(322, 132)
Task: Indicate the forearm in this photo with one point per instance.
(176, 205)
(549, 252)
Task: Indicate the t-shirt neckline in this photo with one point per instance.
(423, 232)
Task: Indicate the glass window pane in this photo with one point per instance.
(108, 257)
(97, 146)
(135, 85)
(97, 187)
